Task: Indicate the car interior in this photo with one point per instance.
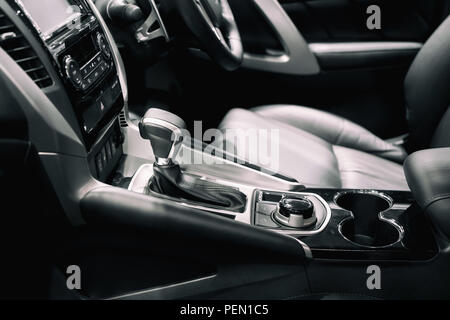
(225, 149)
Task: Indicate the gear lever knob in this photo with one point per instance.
(165, 132)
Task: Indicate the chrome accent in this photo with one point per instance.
(361, 47)
(293, 221)
(177, 135)
(296, 232)
(223, 158)
(400, 229)
(8, 35)
(217, 32)
(163, 161)
(296, 58)
(143, 34)
(365, 192)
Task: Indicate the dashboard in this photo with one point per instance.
(68, 55)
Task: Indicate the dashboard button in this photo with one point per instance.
(72, 71)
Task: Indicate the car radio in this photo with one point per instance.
(83, 58)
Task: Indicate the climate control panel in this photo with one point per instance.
(83, 71)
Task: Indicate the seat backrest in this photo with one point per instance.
(427, 92)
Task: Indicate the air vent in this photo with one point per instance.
(123, 120)
(15, 44)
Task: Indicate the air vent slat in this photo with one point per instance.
(34, 69)
(19, 49)
(42, 79)
(6, 27)
(19, 61)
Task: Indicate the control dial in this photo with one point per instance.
(72, 71)
(103, 45)
(295, 212)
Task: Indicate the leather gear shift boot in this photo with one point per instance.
(171, 181)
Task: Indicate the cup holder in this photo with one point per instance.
(366, 227)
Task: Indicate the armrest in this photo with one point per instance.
(428, 176)
(216, 236)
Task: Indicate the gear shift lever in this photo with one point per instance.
(165, 132)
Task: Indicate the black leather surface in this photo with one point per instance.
(428, 175)
(322, 150)
(427, 90)
(228, 53)
(358, 59)
(343, 20)
(226, 238)
(171, 181)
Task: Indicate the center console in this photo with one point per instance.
(330, 224)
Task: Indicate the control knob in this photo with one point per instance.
(295, 212)
(72, 71)
(103, 45)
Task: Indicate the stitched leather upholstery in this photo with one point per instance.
(321, 150)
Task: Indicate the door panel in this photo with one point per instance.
(343, 20)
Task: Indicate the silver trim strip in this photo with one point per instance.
(296, 58)
(306, 249)
(361, 47)
(143, 34)
(159, 290)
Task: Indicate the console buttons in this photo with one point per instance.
(72, 71)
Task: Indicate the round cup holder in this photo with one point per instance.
(367, 227)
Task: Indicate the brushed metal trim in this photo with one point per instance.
(143, 34)
(297, 57)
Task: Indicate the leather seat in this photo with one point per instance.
(323, 150)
